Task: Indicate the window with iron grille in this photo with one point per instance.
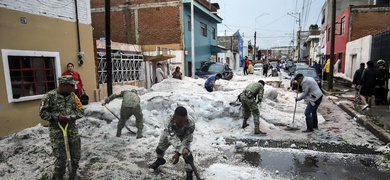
(30, 74)
(203, 29)
(125, 68)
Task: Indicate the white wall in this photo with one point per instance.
(234, 61)
(61, 9)
(362, 49)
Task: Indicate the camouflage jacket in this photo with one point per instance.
(254, 89)
(54, 104)
(130, 99)
(179, 138)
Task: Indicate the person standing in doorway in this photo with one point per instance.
(78, 88)
(159, 73)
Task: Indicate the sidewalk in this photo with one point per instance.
(376, 120)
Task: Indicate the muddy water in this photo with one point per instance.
(318, 166)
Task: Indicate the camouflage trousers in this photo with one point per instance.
(58, 147)
(249, 106)
(126, 113)
(164, 144)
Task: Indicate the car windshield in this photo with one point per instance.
(258, 65)
(301, 65)
(307, 72)
(213, 68)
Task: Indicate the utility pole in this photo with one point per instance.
(108, 47)
(299, 36)
(254, 49)
(192, 40)
(332, 44)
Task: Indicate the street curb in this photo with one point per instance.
(365, 122)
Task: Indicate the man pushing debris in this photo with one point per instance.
(130, 106)
(178, 131)
(249, 104)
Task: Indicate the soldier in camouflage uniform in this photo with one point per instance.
(130, 106)
(178, 133)
(249, 105)
(62, 105)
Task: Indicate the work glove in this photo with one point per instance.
(188, 159)
(175, 158)
(64, 120)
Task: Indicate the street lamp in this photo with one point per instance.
(254, 47)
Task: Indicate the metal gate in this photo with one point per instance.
(125, 68)
(381, 47)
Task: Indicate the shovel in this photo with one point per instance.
(191, 162)
(292, 127)
(66, 142)
(119, 120)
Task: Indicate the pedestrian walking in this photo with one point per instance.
(326, 70)
(367, 85)
(160, 75)
(249, 104)
(79, 87)
(265, 70)
(246, 64)
(61, 108)
(209, 84)
(313, 94)
(178, 132)
(381, 84)
(130, 106)
(356, 79)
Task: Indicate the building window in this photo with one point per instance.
(189, 23)
(30, 74)
(203, 29)
(328, 34)
(342, 29)
(214, 33)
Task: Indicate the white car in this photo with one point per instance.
(258, 68)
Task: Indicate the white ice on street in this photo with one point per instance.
(27, 154)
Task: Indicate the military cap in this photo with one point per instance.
(66, 80)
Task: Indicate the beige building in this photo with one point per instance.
(38, 39)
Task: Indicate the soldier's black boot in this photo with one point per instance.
(189, 175)
(157, 163)
(309, 124)
(245, 123)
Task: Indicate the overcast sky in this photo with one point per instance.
(274, 29)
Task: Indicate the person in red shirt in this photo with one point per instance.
(78, 88)
(246, 65)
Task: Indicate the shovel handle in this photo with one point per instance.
(67, 149)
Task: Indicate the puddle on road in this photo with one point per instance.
(309, 166)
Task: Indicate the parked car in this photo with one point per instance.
(301, 65)
(307, 72)
(258, 67)
(210, 68)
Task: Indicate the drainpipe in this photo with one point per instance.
(80, 54)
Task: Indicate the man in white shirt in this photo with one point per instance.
(159, 73)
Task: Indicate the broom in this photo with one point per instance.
(292, 127)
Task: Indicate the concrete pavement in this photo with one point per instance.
(376, 120)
